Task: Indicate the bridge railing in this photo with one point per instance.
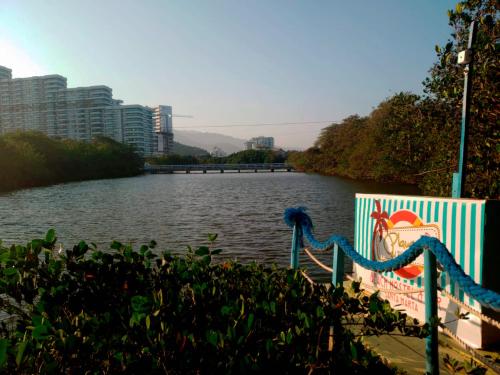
(249, 166)
(434, 251)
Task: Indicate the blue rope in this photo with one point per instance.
(486, 297)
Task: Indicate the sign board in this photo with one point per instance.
(386, 225)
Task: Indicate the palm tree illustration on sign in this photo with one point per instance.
(380, 225)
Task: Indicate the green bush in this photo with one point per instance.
(30, 159)
(88, 311)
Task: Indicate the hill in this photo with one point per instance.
(185, 150)
(208, 141)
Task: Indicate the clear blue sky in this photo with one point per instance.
(232, 62)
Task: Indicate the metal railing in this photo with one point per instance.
(217, 167)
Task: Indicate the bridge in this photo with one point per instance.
(188, 168)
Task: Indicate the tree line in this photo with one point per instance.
(415, 139)
(30, 159)
(241, 157)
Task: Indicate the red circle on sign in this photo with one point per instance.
(410, 271)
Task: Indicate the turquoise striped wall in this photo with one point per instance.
(461, 223)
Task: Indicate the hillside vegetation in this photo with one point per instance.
(30, 159)
(415, 139)
(185, 150)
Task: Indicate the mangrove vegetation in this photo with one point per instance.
(415, 138)
(83, 310)
(30, 159)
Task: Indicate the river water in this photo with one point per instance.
(177, 210)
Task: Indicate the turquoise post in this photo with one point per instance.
(338, 266)
(431, 342)
(294, 261)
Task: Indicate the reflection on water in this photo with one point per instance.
(245, 209)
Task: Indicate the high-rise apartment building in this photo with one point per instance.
(163, 132)
(257, 143)
(137, 125)
(46, 104)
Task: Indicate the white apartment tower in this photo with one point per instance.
(46, 104)
(260, 143)
(163, 131)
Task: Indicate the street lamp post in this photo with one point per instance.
(464, 58)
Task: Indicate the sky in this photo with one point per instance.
(232, 65)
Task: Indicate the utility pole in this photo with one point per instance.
(464, 58)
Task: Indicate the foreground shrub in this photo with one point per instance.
(88, 311)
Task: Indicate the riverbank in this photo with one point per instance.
(29, 159)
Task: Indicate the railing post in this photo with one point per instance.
(338, 266)
(294, 261)
(431, 342)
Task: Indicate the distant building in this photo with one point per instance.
(137, 124)
(260, 143)
(46, 104)
(163, 138)
(217, 152)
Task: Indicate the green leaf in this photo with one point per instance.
(226, 310)
(40, 332)
(202, 250)
(148, 322)
(4, 255)
(212, 336)
(216, 251)
(4, 343)
(51, 236)
(10, 271)
(140, 304)
(269, 346)
(37, 244)
(116, 245)
(319, 312)
(354, 351)
(272, 305)
(21, 347)
(250, 321)
(289, 336)
(212, 237)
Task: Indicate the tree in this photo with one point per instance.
(445, 86)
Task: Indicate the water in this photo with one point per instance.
(177, 210)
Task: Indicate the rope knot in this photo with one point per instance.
(297, 216)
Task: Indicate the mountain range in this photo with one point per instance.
(208, 141)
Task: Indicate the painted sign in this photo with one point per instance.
(386, 225)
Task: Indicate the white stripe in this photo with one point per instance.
(356, 214)
(458, 244)
(424, 213)
(362, 226)
(479, 232)
(370, 227)
(447, 241)
(468, 250)
(433, 212)
(477, 256)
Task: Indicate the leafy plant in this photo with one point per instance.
(85, 310)
(464, 367)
